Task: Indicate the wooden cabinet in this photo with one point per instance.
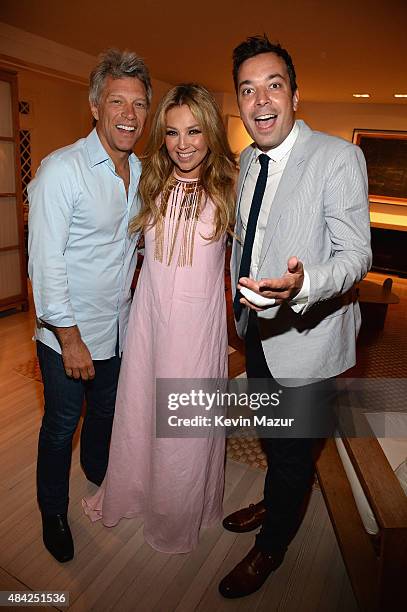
(13, 277)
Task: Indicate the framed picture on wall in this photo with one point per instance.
(386, 158)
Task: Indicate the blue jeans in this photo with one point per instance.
(64, 398)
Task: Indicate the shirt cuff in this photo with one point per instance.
(57, 315)
(301, 299)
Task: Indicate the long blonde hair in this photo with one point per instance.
(218, 170)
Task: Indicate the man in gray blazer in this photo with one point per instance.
(303, 220)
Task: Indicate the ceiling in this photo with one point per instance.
(338, 48)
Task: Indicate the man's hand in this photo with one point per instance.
(75, 354)
(283, 289)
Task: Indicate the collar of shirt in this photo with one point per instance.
(98, 154)
(278, 153)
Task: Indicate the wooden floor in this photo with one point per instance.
(114, 569)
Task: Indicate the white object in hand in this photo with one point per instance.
(256, 299)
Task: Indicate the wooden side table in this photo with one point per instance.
(374, 300)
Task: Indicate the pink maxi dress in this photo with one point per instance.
(177, 329)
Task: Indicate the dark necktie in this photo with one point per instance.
(245, 262)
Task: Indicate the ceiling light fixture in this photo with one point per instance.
(359, 95)
(400, 95)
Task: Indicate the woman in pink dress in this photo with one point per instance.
(177, 327)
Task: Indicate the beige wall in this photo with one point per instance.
(53, 78)
(59, 112)
(159, 89)
(339, 119)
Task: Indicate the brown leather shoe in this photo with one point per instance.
(246, 519)
(250, 574)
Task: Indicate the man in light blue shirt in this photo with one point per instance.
(81, 264)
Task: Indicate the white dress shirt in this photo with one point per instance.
(278, 161)
(81, 257)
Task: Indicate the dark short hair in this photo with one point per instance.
(254, 45)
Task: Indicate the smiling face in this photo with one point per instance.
(186, 145)
(121, 115)
(266, 102)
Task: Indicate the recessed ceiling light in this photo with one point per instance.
(360, 95)
(400, 95)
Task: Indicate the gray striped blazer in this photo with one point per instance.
(320, 214)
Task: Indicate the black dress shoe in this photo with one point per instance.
(57, 537)
(250, 574)
(246, 519)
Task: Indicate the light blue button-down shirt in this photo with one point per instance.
(81, 257)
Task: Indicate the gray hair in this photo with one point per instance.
(118, 64)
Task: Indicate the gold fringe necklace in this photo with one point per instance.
(183, 200)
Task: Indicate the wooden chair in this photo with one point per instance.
(377, 570)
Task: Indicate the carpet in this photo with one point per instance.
(245, 448)
(380, 354)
